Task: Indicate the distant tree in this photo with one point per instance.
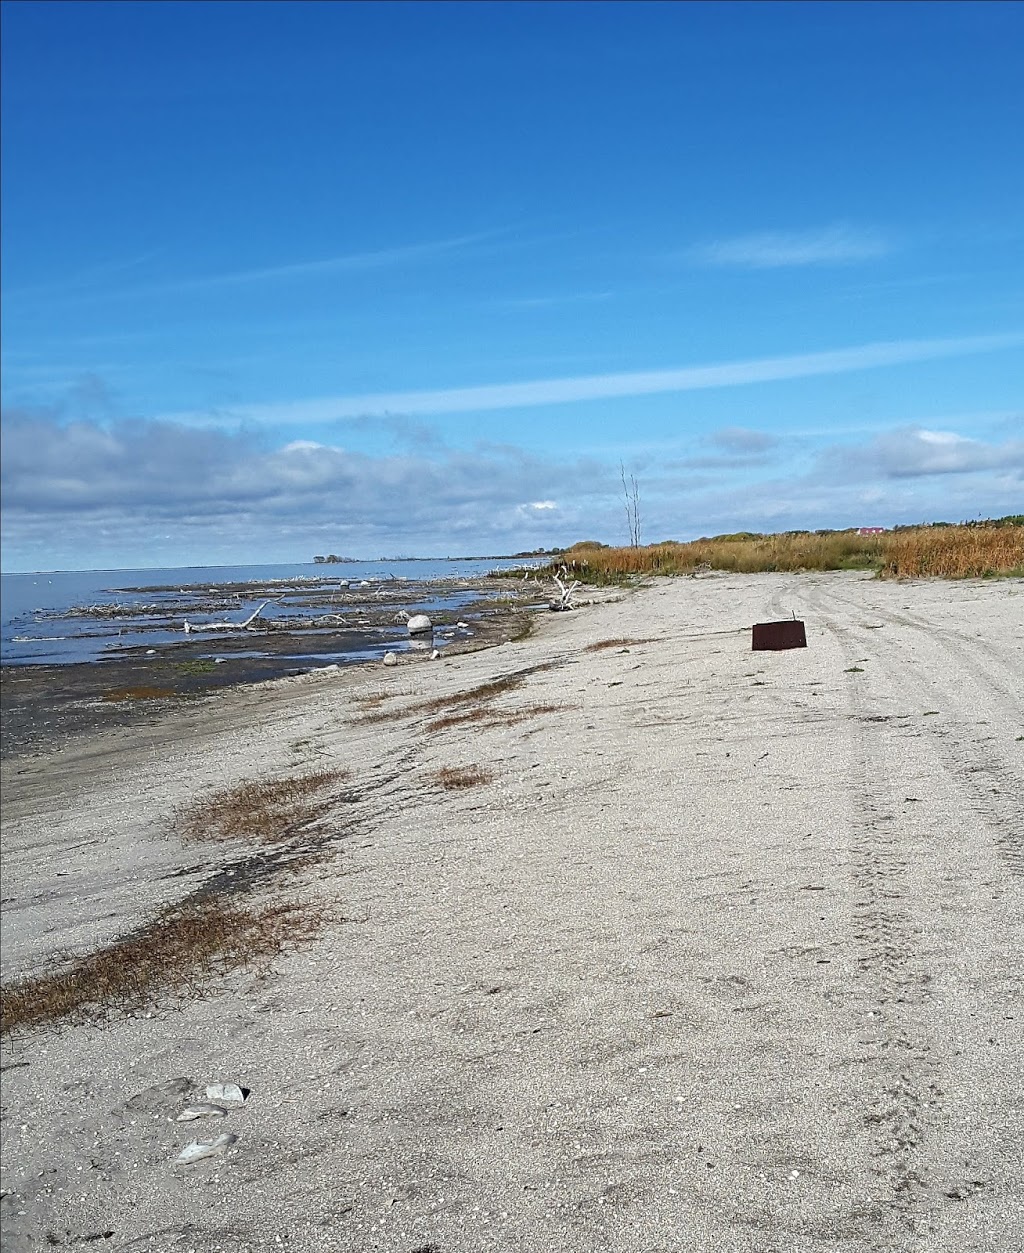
(631, 492)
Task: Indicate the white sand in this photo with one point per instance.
(726, 957)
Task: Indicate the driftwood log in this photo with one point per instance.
(226, 626)
(565, 594)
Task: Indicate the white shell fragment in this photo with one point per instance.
(224, 1092)
(195, 1152)
(202, 1111)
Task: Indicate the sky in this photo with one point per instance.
(428, 279)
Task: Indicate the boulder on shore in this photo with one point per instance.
(419, 624)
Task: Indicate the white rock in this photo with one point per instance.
(195, 1152)
(202, 1111)
(418, 624)
(389, 659)
(224, 1092)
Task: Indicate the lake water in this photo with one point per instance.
(37, 628)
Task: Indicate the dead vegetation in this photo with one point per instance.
(457, 778)
(139, 693)
(490, 718)
(175, 953)
(269, 810)
(971, 550)
(624, 642)
(483, 693)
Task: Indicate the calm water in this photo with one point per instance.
(35, 630)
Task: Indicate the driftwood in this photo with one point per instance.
(565, 594)
(226, 626)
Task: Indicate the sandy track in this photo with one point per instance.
(725, 958)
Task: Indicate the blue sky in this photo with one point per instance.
(281, 279)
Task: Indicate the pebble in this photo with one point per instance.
(195, 1152)
(202, 1111)
(224, 1092)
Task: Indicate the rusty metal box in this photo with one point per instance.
(772, 636)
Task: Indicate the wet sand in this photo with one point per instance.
(724, 956)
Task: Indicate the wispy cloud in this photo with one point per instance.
(838, 244)
(544, 302)
(605, 386)
(351, 262)
(88, 288)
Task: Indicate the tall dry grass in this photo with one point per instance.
(947, 551)
(955, 552)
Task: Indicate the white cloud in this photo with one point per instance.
(839, 244)
(602, 386)
(913, 452)
(86, 493)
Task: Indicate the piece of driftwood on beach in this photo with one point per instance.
(226, 626)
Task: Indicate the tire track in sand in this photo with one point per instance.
(981, 767)
(893, 976)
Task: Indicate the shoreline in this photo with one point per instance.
(46, 706)
(719, 951)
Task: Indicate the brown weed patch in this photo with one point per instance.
(139, 693)
(624, 642)
(490, 718)
(455, 778)
(178, 952)
(265, 809)
(483, 692)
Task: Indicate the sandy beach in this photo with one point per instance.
(722, 954)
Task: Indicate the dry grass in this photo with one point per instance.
(265, 809)
(177, 953)
(955, 552)
(139, 693)
(473, 695)
(946, 551)
(490, 718)
(624, 642)
(456, 778)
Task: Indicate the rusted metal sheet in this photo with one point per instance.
(772, 636)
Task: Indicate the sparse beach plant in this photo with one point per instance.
(457, 778)
(488, 717)
(268, 810)
(174, 954)
(623, 642)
